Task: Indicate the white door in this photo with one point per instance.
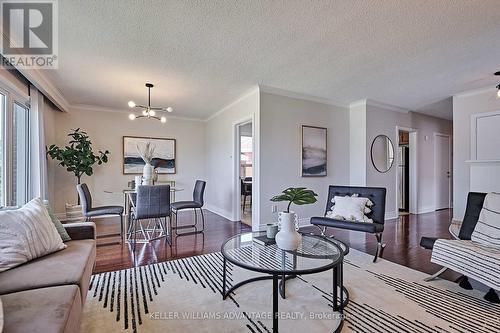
(443, 172)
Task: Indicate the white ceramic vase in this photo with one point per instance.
(147, 174)
(288, 238)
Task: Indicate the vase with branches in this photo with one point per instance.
(77, 156)
(147, 155)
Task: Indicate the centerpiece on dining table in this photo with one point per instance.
(147, 155)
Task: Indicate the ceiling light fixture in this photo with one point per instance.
(149, 111)
(498, 86)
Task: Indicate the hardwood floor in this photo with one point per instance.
(402, 237)
(115, 257)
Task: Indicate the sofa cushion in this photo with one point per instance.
(72, 265)
(44, 310)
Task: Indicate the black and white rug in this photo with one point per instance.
(185, 296)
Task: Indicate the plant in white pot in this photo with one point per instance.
(147, 156)
(288, 238)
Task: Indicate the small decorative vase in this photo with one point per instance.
(288, 238)
(147, 174)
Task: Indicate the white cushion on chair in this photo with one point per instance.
(349, 208)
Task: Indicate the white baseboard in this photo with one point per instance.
(426, 209)
(222, 212)
(303, 222)
(391, 215)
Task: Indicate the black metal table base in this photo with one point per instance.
(339, 299)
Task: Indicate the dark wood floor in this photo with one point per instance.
(401, 235)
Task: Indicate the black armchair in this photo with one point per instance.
(377, 214)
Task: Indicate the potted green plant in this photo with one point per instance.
(288, 238)
(78, 157)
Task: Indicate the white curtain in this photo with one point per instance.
(38, 161)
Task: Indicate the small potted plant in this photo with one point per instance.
(288, 238)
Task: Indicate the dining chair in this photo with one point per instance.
(90, 212)
(246, 190)
(151, 203)
(196, 203)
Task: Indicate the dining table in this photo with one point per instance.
(129, 202)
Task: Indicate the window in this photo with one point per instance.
(14, 147)
(20, 155)
(2, 144)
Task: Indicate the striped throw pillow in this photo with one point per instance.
(487, 230)
(27, 233)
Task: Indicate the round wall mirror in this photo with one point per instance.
(382, 153)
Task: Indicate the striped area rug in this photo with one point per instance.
(184, 296)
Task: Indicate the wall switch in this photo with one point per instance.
(274, 208)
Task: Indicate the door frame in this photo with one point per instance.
(413, 168)
(450, 161)
(236, 167)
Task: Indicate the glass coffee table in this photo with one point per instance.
(315, 254)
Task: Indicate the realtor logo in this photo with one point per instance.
(29, 33)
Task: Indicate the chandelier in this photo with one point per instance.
(149, 111)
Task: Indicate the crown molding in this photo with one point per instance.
(355, 104)
(236, 101)
(390, 107)
(98, 108)
(473, 92)
(40, 81)
(292, 94)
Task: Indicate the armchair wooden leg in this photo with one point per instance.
(435, 275)
(380, 247)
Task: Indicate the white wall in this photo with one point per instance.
(219, 146)
(106, 130)
(280, 133)
(357, 143)
(465, 105)
(384, 121)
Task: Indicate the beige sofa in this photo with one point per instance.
(47, 294)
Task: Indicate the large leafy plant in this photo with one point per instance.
(296, 195)
(78, 157)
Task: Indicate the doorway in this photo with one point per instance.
(245, 174)
(404, 173)
(442, 170)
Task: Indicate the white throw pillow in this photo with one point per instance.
(349, 208)
(27, 233)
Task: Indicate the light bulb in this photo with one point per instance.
(498, 93)
(152, 113)
(163, 119)
(145, 113)
(170, 109)
(131, 116)
(131, 104)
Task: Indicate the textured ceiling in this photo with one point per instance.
(204, 54)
